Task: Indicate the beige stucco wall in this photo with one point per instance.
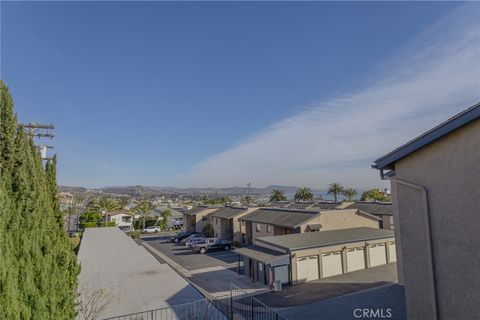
(449, 169)
(341, 219)
(263, 230)
(199, 223)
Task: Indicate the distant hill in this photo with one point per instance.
(153, 191)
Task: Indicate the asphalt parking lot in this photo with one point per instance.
(189, 259)
(322, 289)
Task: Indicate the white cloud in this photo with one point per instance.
(436, 76)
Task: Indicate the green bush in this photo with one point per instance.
(88, 225)
(208, 230)
(134, 234)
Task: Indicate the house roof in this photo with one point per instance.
(228, 212)
(199, 209)
(279, 204)
(117, 212)
(282, 217)
(326, 205)
(158, 211)
(298, 241)
(428, 137)
(300, 205)
(259, 253)
(375, 208)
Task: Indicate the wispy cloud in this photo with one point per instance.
(436, 76)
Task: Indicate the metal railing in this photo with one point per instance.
(237, 305)
(197, 310)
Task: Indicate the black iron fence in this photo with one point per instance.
(198, 310)
(238, 305)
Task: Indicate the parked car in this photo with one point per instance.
(195, 239)
(212, 244)
(192, 235)
(152, 229)
(181, 235)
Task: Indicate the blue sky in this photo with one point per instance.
(221, 94)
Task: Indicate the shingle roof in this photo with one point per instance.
(196, 210)
(327, 205)
(300, 205)
(298, 241)
(279, 204)
(376, 208)
(261, 254)
(228, 212)
(282, 217)
(428, 137)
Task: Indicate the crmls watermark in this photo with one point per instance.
(372, 313)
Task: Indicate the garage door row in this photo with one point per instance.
(348, 260)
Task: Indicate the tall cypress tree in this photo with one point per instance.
(39, 269)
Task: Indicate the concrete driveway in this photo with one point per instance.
(317, 290)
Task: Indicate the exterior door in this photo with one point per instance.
(355, 259)
(331, 264)
(307, 268)
(393, 252)
(378, 255)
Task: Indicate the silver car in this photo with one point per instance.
(194, 240)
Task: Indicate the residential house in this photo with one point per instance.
(383, 210)
(226, 224)
(197, 218)
(435, 181)
(174, 220)
(122, 219)
(301, 257)
(278, 221)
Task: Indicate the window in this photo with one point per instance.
(216, 220)
(204, 218)
(257, 227)
(269, 229)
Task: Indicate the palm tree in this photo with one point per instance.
(303, 194)
(142, 208)
(104, 206)
(277, 195)
(350, 193)
(164, 218)
(335, 188)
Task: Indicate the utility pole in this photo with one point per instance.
(38, 130)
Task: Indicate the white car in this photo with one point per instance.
(194, 240)
(152, 229)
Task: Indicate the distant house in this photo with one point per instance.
(435, 182)
(383, 210)
(279, 221)
(301, 257)
(174, 220)
(122, 219)
(197, 218)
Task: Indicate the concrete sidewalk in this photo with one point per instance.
(133, 279)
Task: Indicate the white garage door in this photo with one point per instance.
(393, 252)
(331, 264)
(378, 255)
(307, 268)
(355, 259)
